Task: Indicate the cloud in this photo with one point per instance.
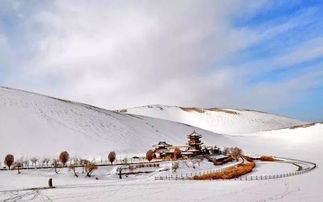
(121, 54)
(118, 54)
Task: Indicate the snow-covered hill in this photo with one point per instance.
(225, 121)
(33, 124)
(37, 125)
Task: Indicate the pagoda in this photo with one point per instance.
(194, 142)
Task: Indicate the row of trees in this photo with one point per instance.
(63, 158)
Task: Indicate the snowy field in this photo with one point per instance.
(140, 187)
(43, 127)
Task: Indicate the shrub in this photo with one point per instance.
(177, 153)
(149, 155)
(9, 159)
(112, 157)
(167, 158)
(228, 173)
(131, 168)
(63, 157)
(267, 158)
(262, 158)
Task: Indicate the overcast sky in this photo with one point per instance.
(265, 55)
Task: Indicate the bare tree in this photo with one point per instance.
(45, 161)
(125, 160)
(89, 168)
(26, 163)
(75, 160)
(112, 157)
(63, 157)
(235, 153)
(149, 155)
(17, 165)
(9, 159)
(177, 153)
(56, 165)
(34, 161)
(73, 168)
(83, 163)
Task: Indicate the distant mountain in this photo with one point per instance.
(38, 125)
(218, 120)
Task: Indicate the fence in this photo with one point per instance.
(40, 165)
(189, 176)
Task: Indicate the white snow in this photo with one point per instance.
(32, 124)
(224, 121)
(37, 125)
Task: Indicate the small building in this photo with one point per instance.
(162, 149)
(219, 157)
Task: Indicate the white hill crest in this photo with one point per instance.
(225, 121)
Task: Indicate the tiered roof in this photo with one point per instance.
(194, 134)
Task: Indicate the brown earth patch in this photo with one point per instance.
(123, 110)
(305, 125)
(223, 110)
(190, 109)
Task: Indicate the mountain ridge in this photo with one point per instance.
(218, 120)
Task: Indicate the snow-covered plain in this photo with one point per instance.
(33, 124)
(218, 120)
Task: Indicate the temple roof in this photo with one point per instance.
(194, 134)
(162, 144)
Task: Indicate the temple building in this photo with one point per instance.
(162, 149)
(194, 147)
(194, 141)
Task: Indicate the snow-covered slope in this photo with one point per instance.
(225, 121)
(303, 143)
(33, 124)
